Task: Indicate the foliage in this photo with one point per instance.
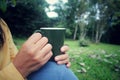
(94, 19)
(4, 4)
(68, 33)
(104, 25)
(84, 42)
(25, 17)
(66, 14)
(100, 16)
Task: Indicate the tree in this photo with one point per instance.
(108, 17)
(98, 19)
(69, 13)
(26, 16)
(66, 16)
(3, 4)
(101, 16)
(114, 21)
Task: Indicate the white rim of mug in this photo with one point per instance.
(52, 28)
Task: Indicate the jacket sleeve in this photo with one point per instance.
(10, 73)
(7, 70)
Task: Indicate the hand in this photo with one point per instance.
(63, 58)
(34, 53)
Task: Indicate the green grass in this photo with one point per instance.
(19, 41)
(99, 61)
(95, 62)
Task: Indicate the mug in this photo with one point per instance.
(55, 37)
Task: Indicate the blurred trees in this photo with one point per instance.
(109, 13)
(100, 17)
(3, 4)
(25, 16)
(70, 14)
(96, 20)
(90, 19)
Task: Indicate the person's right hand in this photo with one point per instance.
(34, 53)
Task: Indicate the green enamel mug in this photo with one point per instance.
(55, 37)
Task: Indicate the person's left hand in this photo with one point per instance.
(63, 58)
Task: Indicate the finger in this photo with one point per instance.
(41, 43)
(45, 59)
(63, 61)
(48, 56)
(42, 61)
(44, 51)
(34, 38)
(64, 48)
(68, 64)
(61, 57)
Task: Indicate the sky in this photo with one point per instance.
(51, 1)
(55, 1)
(51, 7)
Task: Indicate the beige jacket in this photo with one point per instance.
(7, 53)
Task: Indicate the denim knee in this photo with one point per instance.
(52, 71)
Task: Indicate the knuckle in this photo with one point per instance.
(49, 45)
(37, 60)
(45, 39)
(30, 53)
(67, 55)
(51, 54)
(41, 62)
(27, 50)
(38, 34)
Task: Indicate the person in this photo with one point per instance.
(33, 55)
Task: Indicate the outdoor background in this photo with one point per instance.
(92, 31)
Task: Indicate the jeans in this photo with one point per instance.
(52, 71)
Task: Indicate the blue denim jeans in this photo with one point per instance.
(52, 71)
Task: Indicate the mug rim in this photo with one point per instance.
(52, 28)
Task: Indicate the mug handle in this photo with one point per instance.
(39, 31)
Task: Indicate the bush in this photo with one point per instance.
(83, 42)
(24, 18)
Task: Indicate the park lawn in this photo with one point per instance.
(95, 62)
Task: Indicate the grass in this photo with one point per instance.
(95, 62)
(19, 41)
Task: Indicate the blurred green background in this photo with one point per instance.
(92, 31)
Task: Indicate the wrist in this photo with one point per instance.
(24, 72)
